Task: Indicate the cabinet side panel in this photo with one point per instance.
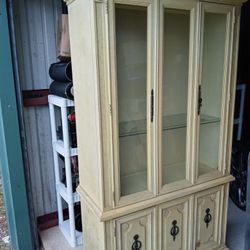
(93, 230)
(233, 88)
(224, 213)
(83, 53)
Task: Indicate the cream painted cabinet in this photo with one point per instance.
(175, 224)
(154, 85)
(208, 219)
(136, 231)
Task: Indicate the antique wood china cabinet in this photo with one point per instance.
(154, 84)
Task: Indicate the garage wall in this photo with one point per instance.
(36, 31)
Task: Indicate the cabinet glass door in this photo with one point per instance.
(214, 86)
(174, 88)
(131, 29)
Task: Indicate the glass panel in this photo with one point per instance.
(211, 90)
(131, 46)
(175, 89)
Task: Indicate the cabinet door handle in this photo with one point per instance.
(174, 230)
(208, 217)
(152, 106)
(199, 100)
(137, 244)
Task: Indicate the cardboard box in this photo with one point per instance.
(63, 39)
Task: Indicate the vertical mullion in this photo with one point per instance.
(157, 38)
(160, 93)
(148, 98)
(198, 75)
(226, 86)
(197, 59)
(113, 87)
(232, 88)
(192, 96)
(151, 97)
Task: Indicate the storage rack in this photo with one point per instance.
(63, 148)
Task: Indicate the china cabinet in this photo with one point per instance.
(154, 84)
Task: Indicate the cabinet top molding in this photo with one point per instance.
(231, 2)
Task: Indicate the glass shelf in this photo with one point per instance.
(205, 169)
(173, 172)
(137, 182)
(133, 183)
(138, 127)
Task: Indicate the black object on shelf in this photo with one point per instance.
(64, 8)
(239, 165)
(72, 134)
(78, 222)
(62, 89)
(61, 71)
(75, 177)
(59, 132)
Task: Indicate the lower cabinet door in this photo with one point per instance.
(174, 223)
(136, 231)
(208, 219)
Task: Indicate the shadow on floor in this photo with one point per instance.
(236, 225)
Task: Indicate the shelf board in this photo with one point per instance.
(138, 127)
(65, 228)
(60, 101)
(62, 190)
(59, 148)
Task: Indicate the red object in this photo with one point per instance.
(72, 117)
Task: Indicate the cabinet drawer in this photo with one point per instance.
(136, 231)
(207, 216)
(174, 220)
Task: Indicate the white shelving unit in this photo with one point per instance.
(63, 148)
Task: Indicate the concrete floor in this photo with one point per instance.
(235, 227)
(53, 239)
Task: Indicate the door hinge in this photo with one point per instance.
(110, 109)
(152, 106)
(237, 14)
(113, 194)
(114, 234)
(107, 7)
(114, 230)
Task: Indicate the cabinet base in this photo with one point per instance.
(222, 248)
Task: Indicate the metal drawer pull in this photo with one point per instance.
(137, 244)
(174, 230)
(208, 217)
